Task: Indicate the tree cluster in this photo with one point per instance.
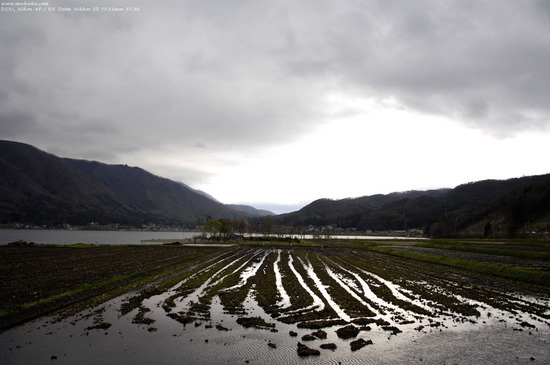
(223, 229)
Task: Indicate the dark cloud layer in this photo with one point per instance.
(240, 75)
(481, 62)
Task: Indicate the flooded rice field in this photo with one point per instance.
(300, 306)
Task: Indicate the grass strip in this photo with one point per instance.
(490, 251)
(530, 276)
(68, 293)
(496, 242)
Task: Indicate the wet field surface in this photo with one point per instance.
(299, 305)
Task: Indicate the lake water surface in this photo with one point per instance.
(68, 237)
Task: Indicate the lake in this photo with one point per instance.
(68, 237)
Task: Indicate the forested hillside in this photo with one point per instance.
(490, 207)
(39, 188)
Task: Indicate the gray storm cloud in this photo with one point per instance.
(228, 74)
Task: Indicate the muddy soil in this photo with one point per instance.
(36, 272)
(284, 297)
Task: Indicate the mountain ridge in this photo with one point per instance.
(251, 210)
(508, 207)
(40, 188)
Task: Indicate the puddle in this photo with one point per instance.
(184, 303)
(350, 291)
(284, 302)
(368, 293)
(249, 271)
(311, 273)
(397, 291)
(318, 303)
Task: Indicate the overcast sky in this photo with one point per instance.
(278, 103)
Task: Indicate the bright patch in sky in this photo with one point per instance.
(365, 148)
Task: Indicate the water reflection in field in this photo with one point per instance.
(411, 317)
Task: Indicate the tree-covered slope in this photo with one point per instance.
(39, 188)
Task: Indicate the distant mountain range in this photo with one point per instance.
(39, 188)
(251, 210)
(490, 207)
